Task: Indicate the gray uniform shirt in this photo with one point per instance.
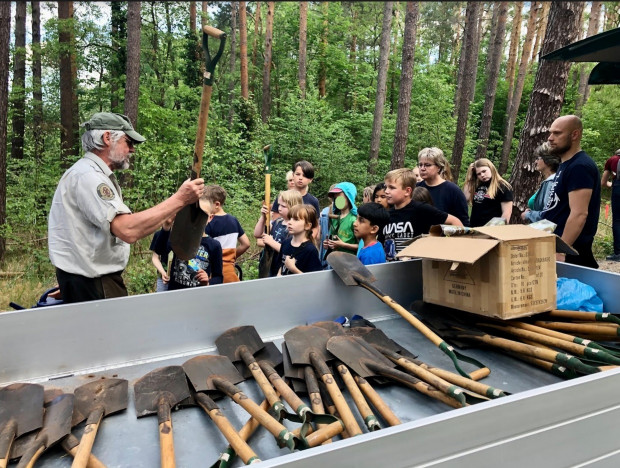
(86, 201)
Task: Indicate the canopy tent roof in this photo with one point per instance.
(603, 48)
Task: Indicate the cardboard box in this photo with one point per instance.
(498, 271)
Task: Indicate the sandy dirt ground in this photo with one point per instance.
(608, 266)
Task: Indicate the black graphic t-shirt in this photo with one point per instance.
(484, 207)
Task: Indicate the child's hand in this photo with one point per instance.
(336, 243)
(165, 278)
(524, 214)
(264, 210)
(268, 240)
(289, 262)
(202, 277)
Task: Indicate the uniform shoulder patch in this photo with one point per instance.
(105, 192)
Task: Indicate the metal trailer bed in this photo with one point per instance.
(545, 422)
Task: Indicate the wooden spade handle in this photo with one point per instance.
(285, 391)
(324, 434)
(362, 406)
(470, 384)
(7, 437)
(281, 433)
(71, 444)
(581, 328)
(585, 316)
(226, 428)
(268, 202)
(166, 444)
(88, 438)
(29, 458)
(376, 400)
(259, 376)
(334, 392)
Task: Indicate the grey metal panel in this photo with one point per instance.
(557, 426)
(81, 338)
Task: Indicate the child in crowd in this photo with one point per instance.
(290, 185)
(408, 218)
(299, 254)
(204, 269)
(324, 218)
(371, 218)
(160, 260)
(422, 195)
(341, 236)
(418, 176)
(378, 195)
(279, 230)
(225, 229)
(367, 194)
(489, 194)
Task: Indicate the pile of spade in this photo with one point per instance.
(565, 343)
(33, 419)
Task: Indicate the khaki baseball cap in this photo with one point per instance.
(112, 121)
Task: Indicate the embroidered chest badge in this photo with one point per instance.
(105, 192)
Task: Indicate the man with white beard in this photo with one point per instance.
(89, 227)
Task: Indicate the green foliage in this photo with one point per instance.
(601, 123)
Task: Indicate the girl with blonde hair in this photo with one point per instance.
(437, 179)
(286, 200)
(490, 195)
(299, 253)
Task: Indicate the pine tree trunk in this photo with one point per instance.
(303, 43)
(495, 57)
(323, 51)
(132, 84)
(393, 62)
(515, 37)
(37, 91)
(5, 45)
(68, 116)
(18, 92)
(513, 104)
(233, 61)
(243, 50)
(266, 99)
(257, 23)
(541, 29)
(469, 56)
(406, 79)
(204, 15)
(192, 16)
(384, 54)
(593, 25)
(546, 99)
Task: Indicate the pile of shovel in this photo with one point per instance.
(33, 419)
(564, 343)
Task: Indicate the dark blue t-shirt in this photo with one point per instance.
(306, 256)
(579, 172)
(279, 232)
(448, 197)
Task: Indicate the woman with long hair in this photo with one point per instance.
(437, 179)
(489, 194)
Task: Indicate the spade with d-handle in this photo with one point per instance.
(209, 373)
(190, 222)
(353, 273)
(56, 426)
(21, 411)
(158, 392)
(95, 400)
(264, 264)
